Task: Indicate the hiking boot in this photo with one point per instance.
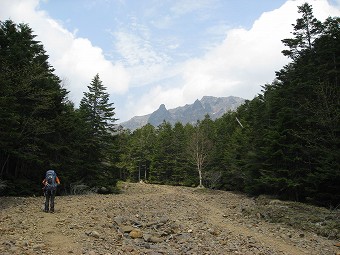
(51, 211)
(46, 211)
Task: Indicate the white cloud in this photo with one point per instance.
(75, 59)
(136, 50)
(244, 61)
(79, 61)
(143, 60)
(238, 65)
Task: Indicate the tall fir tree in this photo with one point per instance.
(140, 152)
(97, 109)
(98, 115)
(162, 166)
(303, 106)
(31, 99)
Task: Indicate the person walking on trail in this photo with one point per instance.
(50, 183)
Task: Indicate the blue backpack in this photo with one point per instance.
(51, 180)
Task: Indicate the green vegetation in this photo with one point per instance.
(40, 128)
(286, 146)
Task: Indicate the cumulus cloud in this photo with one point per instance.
(239, 65)
(145, 76)
(75, 59)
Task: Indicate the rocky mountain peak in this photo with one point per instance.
(190, 113)
(162, 108)
(160, 115)
(197, 105)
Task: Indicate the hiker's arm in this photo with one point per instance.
(44, 182)
(57, 180)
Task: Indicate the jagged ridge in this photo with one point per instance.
(190, 113)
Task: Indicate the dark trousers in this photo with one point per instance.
(49, 202)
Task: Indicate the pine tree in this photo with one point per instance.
(306, 30)
(31, 99)
(303, 108)
(97, 109)
(140, 152)
(180, 172)
(163, 162)
(98, 115)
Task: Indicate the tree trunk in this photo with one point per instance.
(4, 165)
(200, 176)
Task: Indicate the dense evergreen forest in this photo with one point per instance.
(284, 142)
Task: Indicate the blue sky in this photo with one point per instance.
(150, 52)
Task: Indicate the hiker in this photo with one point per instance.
(50, 183)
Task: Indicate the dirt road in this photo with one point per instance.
(150, 219)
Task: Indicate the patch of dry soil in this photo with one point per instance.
(150, 219)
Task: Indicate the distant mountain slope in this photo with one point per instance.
(190, 113)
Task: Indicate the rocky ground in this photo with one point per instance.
(154, 219)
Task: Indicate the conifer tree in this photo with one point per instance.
(140, 152)
(303, 108)
(181, 169)
(163, 163)
(306, 30)
(31, 99)
(98, 111)
(98, 115)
